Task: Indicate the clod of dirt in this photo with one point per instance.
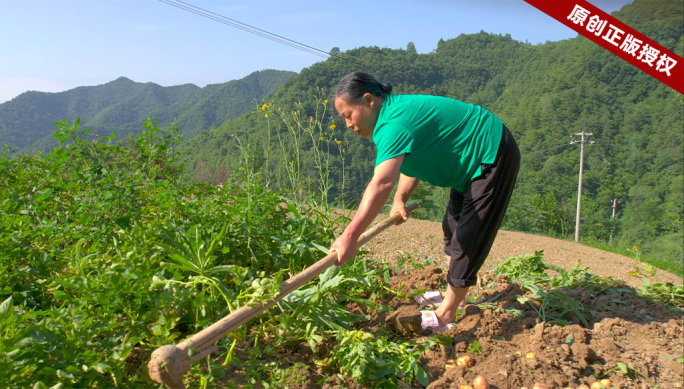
(470, 318)
(406, 320)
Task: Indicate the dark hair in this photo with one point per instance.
(354, 85)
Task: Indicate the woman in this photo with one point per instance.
(447, 143)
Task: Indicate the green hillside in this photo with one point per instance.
(121, 106)
(544, 93)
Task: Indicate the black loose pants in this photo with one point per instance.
(473, 217)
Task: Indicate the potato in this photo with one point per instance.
(450, 364)
(583, 387)
(466, 387)
(537, 385)
(465, 360)
(606, 383)
(480, 383)
(529, 355)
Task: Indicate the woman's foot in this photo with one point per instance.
(430, 299)
(431, 322)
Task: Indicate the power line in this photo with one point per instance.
(253, 30)
(242, 26)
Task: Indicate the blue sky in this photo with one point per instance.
(53, 46)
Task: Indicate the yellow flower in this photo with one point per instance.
(325, 101)
(266, 114)
(264, 107)
(339, 142)
(635, 247)
(322, 138)
(343, 150)
(332, 126)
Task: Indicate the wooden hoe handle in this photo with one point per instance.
(169, 363)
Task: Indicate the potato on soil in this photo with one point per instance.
(466, 387)
(465, 360)
(450, 364)
(601, 384)
(480, 383)
(539, 386)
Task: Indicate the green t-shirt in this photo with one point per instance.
(445, 140)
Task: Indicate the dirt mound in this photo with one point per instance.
(632, 341)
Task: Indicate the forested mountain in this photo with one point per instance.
(122, 106)
(544, 93)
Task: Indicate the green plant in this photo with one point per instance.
(553, 306)
(668, 293)
(367, 359)
(108, 253)
(318, 307)
(627, 371)
(528, 267)
(475, 347)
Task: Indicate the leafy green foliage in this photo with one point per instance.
(552, 306)
(668, 294)
(547, 294)
(107, 253)
(367, 359)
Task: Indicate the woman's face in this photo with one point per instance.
(360, 117)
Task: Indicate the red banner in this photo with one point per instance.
(618, 38)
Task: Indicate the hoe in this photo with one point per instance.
(169, 363)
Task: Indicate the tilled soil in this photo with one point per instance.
(640, 333)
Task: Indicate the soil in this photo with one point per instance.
(631, 340)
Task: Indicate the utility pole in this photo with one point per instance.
(615, 201)
(579, 187)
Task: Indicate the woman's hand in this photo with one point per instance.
(399, 207)
(407, 185)
(345, 246)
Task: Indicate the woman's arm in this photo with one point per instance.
(405, 188)
(374, 198)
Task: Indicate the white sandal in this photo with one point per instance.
(429, 322)
(430, 299)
